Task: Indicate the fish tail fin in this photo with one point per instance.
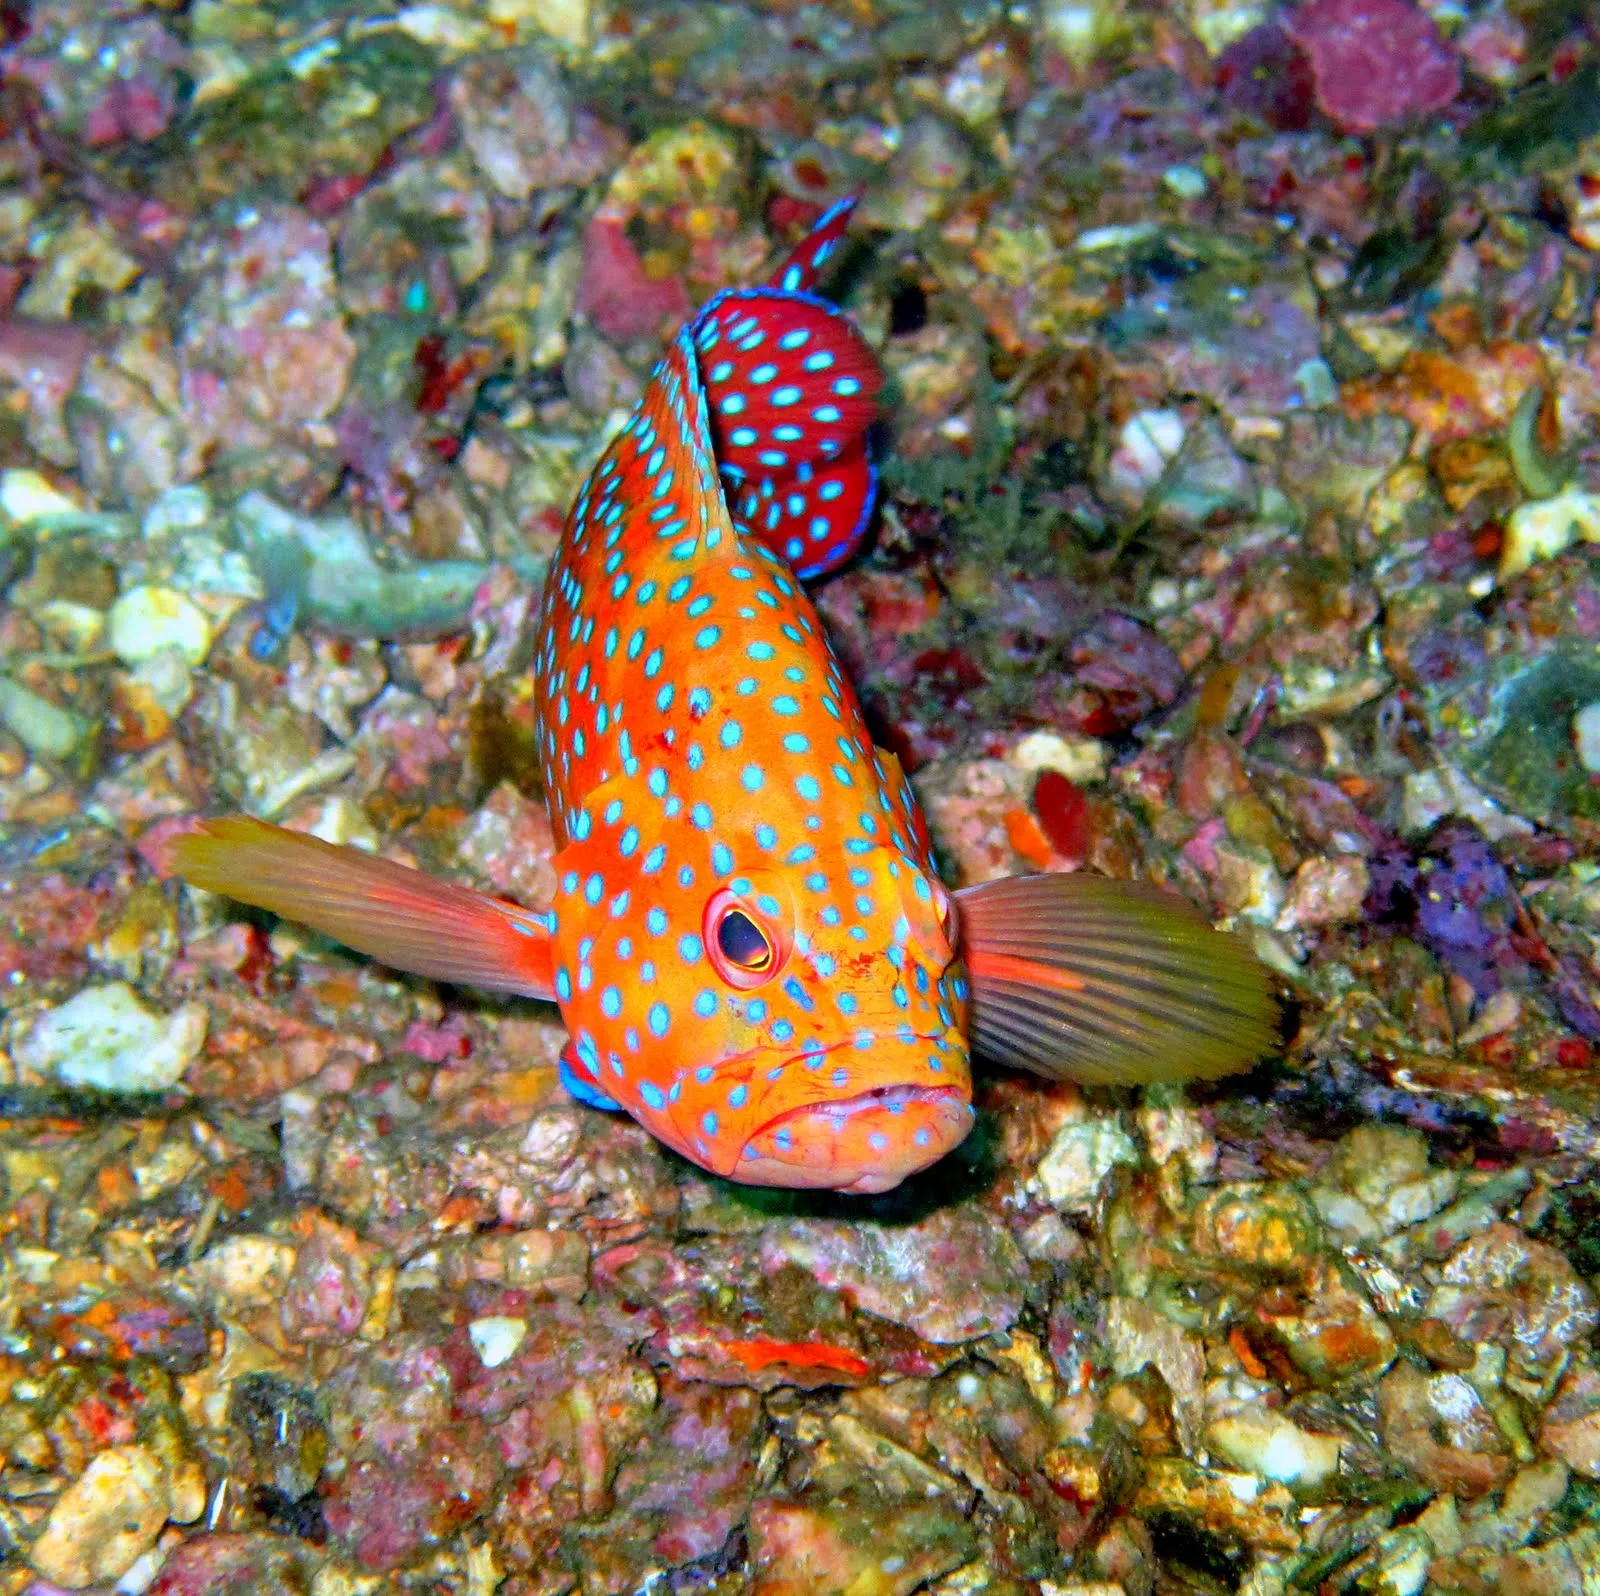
(398, 916)
(1108, 982)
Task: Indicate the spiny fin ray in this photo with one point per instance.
(1108, 982)
(398, 916)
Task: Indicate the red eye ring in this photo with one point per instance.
(744, 949)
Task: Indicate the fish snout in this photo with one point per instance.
(862, 1144)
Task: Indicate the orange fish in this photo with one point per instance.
(750, 943)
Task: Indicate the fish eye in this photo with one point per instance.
(744, 947)
(743, 942)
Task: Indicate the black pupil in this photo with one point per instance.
(740, 941)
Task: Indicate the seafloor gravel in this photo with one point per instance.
(1241, 466)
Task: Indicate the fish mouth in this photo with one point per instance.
(866, 1143)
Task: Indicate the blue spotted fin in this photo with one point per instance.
(792, 388)
(1108, 982)
(400, 917)
(811, 256)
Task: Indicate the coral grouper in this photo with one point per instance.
(749, 942)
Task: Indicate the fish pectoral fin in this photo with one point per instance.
(580, 1085)
(1109, 982)
(398, 916)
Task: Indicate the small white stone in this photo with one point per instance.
(107, 1039)
(1268, 1444)
(168, 677)
(566, 20)
(1147, 445)
(1080, 1157)
(1217, 23)
(1440, 1521)
(1078, 28)
(1119, 235)
(242, 1272)
(1409, 1202)
(145, 621)
(1500, 1012)
(1326, 891)
(1544, 527)
(42, 727)
(1586, 736)
(105, 1521)
(1187, 182)
(441, 28)
(1347, 1214)
(27, 497)
(1317, 384)
(1077, 758)
(1401, 1565)
(77, 627)
(496, 1338)
(184, 509)
(141, 1575)
(1427, 796)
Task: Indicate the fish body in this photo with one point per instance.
(749, 941)
(709, 777)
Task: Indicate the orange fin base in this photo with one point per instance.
(1109, 982)
(400, 917)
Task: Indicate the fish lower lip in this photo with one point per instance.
(862, 1144)
(889, 1097)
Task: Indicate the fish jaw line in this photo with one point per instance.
(865, 1143)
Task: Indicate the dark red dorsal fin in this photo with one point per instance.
(815, 518)
(808, 259)
(791, 387)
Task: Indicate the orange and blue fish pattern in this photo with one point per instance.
(749, 942)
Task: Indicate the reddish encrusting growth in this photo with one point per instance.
(796, 1355)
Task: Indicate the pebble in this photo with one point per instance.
(41, 727)
(1146, 448)
(1542, 528)
(1079, 29)
(496, 1338)
(1251, 1435)
(1217, 23)
(1586, 736)
(566, 20)
(27, 498)
(184, 509)
(1079, 1159)
(105, 1521)
(1326, 891)
(950, 1277)
(1079, 759)
(1427, 796)
(1187, 182)
(147, 621)
(105, 1038)
(1571, 1427)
